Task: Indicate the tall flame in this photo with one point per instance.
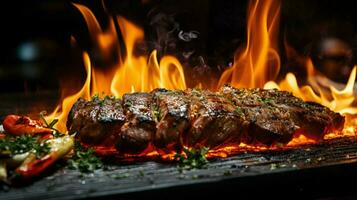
(341, 101)
(138, 74)
(255, 65)
(259, 62)
(62, 110)
(134, 73)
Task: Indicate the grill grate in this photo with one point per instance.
(293, 169)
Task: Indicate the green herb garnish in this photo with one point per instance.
(265, 100)
(110, 97)
(192, 158)
(84, 160)
(156, 112)
(50, 125)
(23, 144)
(94, 97)
(41, 149)
(239, 111)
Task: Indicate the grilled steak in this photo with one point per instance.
(171, 112)
(97, 121)
(169, 120)
(214, 120)
(139, 128)
(313, 119)
(275, 116)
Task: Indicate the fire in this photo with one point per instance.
(62, 110)
(259, 61)
(255, 65)
(340, 101)
(140, 73)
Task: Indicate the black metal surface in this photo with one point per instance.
(306, 172)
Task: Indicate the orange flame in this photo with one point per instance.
(340, 101)
(259, 62)
(62, 110)
(134, 73)
(256, 65)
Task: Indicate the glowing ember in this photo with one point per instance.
(255, 65)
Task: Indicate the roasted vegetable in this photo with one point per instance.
(22, 125)
(33, 165)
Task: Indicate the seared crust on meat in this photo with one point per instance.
(169, 120)
(97, 121)
(139, 128)
(275, 116)
(171, 111)
(215, 121)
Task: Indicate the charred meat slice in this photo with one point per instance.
(139, 128)
(275, 116)
(214, 120)
(313, 119)
(267, 124)
(97, 121)
(171, 112)
(169, 120)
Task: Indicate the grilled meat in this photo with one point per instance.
(275, 116)
(313, 119)
(97, 121)
(169, 120)
(214, 120)
(139, 128)
(171, 112)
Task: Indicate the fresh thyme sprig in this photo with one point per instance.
(56, 132)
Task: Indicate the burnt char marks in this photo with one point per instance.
(275, 116)
(171, 111)
(267, 123)
(169, 120)
(139, 128)
(313, 119)
(97, 121)
(214, 120)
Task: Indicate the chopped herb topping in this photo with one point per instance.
(95, 97)
(22, 144)
(84, 160)
(265, 100)
(192, 158)
(239, 111)
(41, 149)
(156, 112)
(100, 100)
(110, 97)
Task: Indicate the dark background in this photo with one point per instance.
(36, 52)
